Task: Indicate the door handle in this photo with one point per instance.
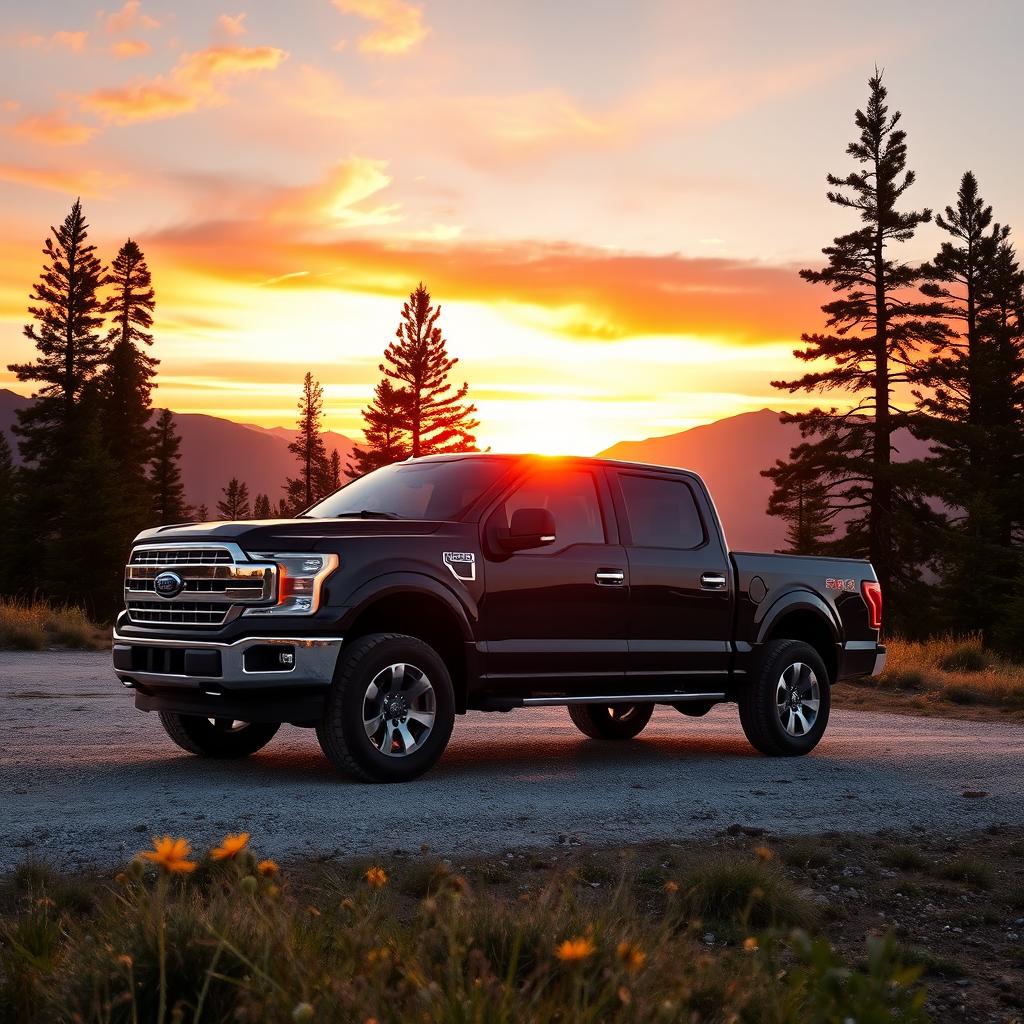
(609, 577)
(712, 581)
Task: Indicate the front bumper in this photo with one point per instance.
(208, 666)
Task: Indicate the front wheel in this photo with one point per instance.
(784, 707)
(610, 721)
(217, 737)
(390, 711)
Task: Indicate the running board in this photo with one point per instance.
(617, 698)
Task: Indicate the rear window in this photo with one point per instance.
(662, 513)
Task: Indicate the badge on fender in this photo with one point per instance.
(462, 565)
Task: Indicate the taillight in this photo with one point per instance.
(872, 592)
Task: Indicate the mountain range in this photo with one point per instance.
(729, 454)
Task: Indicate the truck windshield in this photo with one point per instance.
(413, 490)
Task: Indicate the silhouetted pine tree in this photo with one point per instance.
(968, 411)
(261, 507)
(384, 427)
(334, 480)
(66, 314)
(803, 505)
(8, 514)
(126, 383)
(874, 328)
(166, 488)
(284, 510)
(308, 447)
(201, 514)
(437, 420)
(235, 503)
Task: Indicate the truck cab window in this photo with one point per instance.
(662, 513)
(571, 498)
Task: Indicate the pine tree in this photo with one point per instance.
(803, 505)
(437, 420)
(334, 480)
(235, 503)
(261, 507)
(384, 423)
(126, 383)
(308, 447)
(168, 492)
(284, 509)
(66, 332)
(8, 510)
(201, 514)
(874, 329)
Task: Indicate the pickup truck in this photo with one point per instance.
(485, 582)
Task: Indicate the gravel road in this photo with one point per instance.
(86, 779)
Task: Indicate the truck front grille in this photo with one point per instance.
(214, 583)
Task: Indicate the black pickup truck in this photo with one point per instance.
(485, 582)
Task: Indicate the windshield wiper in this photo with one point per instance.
(367, 513)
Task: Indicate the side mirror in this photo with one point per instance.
(530, 528)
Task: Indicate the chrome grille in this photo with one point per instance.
(219, 581)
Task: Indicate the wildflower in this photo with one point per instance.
(750, 944)
(230, 846)
(267, 868)
(248, 884)
(303, 1012)
(125, 960)
(171, 855)
(574, 950)
(632, 956)
(312, 911)
(376, 877)
(348, 903)
(671, 887)
(763, 853)
(625, 997)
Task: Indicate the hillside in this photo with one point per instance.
(215, 449)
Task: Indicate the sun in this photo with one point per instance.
(547, 427)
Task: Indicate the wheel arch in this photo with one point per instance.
(803, 615)
(422, 607)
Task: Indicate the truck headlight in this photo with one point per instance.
(299, 581)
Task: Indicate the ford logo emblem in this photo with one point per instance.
(168, 584)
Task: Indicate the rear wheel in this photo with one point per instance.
(784, 708)
(217, 737)
(391, 709)
(610, 721)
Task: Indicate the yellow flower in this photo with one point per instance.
(230, 846)
(671, 887)
(376, 877)
(763, 853)
(574, 950)
(750, 944)
(632, 956)
(268, 868)
(171, 855)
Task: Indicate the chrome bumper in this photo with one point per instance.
(314, 662)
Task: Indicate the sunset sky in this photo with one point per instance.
(610, 201)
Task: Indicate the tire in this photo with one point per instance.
(786, 729)
(611, 721)
(220, 738)
(377, 675)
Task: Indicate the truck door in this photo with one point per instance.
(680, 594)
(554, 617)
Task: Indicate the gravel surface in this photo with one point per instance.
(85, 779)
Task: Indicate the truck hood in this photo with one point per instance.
(285, 534)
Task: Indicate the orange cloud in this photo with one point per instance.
(192, 83)
(399, 25)
(338, 196)
(231, 25)
(128, 18)
(83, 183)
(127, 48)
(54, 129)
(72, 41)
(572, 290)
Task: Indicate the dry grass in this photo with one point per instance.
(239, 940)
(36, 625)
(955, 669)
